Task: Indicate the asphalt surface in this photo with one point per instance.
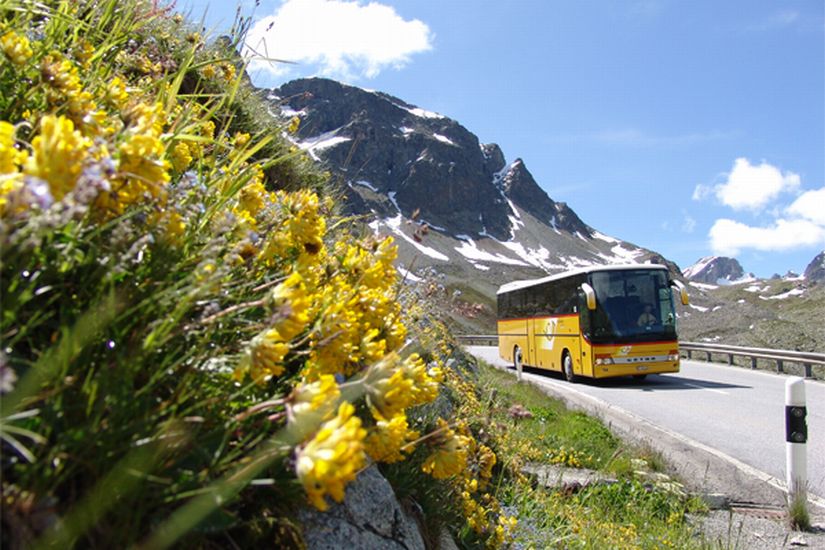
(737, 412)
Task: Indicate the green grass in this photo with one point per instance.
(634, 512)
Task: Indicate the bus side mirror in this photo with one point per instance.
(682, 290)
(590, 296)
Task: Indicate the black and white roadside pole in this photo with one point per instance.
(796, 437)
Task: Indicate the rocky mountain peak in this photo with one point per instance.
(415, 160)
(715, 270)
(493, 157)
(816, 269)
(419, 160)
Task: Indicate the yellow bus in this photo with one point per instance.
(596, 322)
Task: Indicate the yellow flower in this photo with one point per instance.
(83, 52)
(116, 93)
(450, 457)
(303, 227)
(294, 123)
(386, 439)
(241, 139)
(332, 458)
(389, 391)
(486, 460)
(181, 157)
(264, 357)
(141, 160)
(10, 156)
(59, 153)
(424, 382)
(171, 225)
(59, 73)
(313, 402)
(16, 47)
(227, 72)
(305, 223)
(208, 129)
(252, 197)
(291, 304)
(209, 71)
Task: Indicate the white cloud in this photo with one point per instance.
(729, 237)
(750, 187)
(810, 205)
(345, 39)
(777, 20)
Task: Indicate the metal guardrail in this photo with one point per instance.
(805, 358)
(478, 339)
(780, 357)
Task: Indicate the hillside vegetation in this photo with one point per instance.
(196, 345)
(773, 313)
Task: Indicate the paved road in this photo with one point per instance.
(733, 410)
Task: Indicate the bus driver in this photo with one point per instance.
(647, 318)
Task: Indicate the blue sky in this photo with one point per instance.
(691, 128)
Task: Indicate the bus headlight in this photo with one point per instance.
(673, 357)
(604, 360)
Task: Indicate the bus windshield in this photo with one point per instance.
(632, 305)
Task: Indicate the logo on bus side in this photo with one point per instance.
(624, 350)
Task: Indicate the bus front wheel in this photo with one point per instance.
(567, 366)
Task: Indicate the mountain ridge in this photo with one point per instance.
(404, 167)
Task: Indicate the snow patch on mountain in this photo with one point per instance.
(600, 236)
(785, 295)
(444, 139)
(697, 267)
(703, 286)
(470, 250)
(394, 224)
(319, 143)
(408, 275)
(368, 185)
(391, 196)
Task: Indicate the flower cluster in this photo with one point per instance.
(130, 171)
(332, 458)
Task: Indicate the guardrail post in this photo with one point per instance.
(689, 353)
(808, 370)
(730, 359)
(796, 437)
(753, 362)
(708, 357)
(780, 366)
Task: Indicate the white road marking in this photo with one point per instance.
(704, 388)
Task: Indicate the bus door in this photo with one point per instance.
(531, 343)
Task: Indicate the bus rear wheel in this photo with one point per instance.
(567, 366)
(517, 358)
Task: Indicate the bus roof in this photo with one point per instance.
(515, 285)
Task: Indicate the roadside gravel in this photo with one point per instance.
(745, 531)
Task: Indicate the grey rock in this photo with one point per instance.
(816, 269)
(559, 477)
(714, 269)
(715, 501)
(369, 517)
